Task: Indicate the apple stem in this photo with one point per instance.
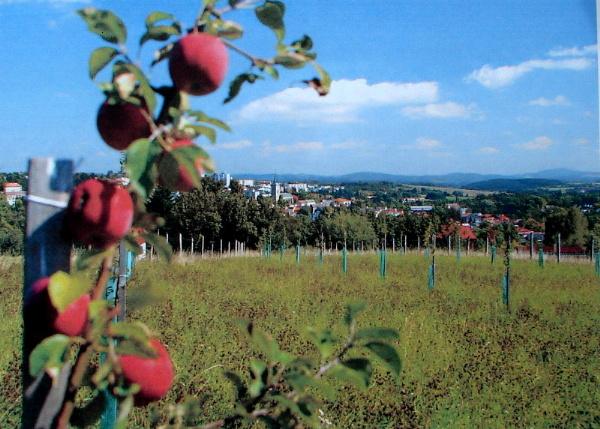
(85, 352)
(254, 60)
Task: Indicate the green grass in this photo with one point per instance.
(466, 361)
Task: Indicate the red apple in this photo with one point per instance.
(99, 213)
(153, 375)
(121, 124)
(46, 318)
(180, 180)
(198, 63)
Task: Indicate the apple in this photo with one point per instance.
(46, 318)
(180, 180)
(99, 213)
(121, 124)
(198, 63)
(153, 375)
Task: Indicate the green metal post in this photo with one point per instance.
(344, 260)
(298, 254)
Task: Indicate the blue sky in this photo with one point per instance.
(419, 87)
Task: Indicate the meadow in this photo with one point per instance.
(467, 361)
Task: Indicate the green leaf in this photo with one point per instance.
(162, 247)
(357, 371)
(271, 71)
(90, 413)
(290, 60)
(258, 371)
(240, 386)
(135, 332)
(304, 44)
(202, 117)
(352, 310)
(124, 409)
(324, 340)
(230, 30)
(160, 33)
(162, 54)
(140, 164)
(271, 14)
(132, 245)
(90, 259)
(100, 58)
(104, 23)
(377, 333)
(145, 87)
(192, 158)
(98, 310)
(387, 354)
(157, 16)
(236, 84)
(200, 130)
(323, 84)
(49, 354)
(64, 289)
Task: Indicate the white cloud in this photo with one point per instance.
(574, 51)
(343, 104)
(489, 150)
(581, 142)
(424, 143)
(348, 144)
(538, 143)
(449, 109)
(267, 147)
(241, 144)
(499, 77)
(559, 100)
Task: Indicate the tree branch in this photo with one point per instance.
(85, 352)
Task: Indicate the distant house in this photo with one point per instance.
(421, 209)
(525, 234)
(389, 212)
(343, 202)
(12, 191)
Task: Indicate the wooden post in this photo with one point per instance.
(228, 248)
(46, 251)
(202, 247)
(449, 244)
(393, 245)
(487, 245)
(180, 243)
(405, 244)
(418, 244)
(220, 245)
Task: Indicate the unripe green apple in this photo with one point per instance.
(99, 213)
(121, 124)
(47, 320)
(198, 63)
(153, 375)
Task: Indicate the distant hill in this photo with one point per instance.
(451, 179)
(513, 185)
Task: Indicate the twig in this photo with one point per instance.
(338, 358)
(254, 60)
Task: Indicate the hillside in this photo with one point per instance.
(513, 185)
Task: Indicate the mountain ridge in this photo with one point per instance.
(449, 179)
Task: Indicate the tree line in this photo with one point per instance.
(218, 214)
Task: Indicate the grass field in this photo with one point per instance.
(467, 362)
